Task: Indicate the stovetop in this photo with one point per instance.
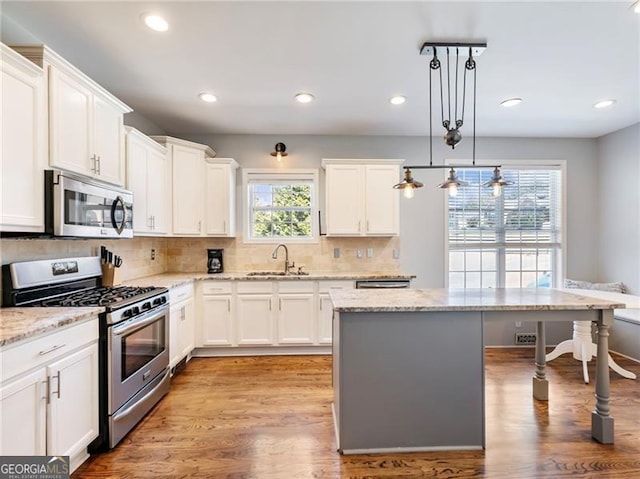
(112, 297)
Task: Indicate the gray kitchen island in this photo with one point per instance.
(408, 365)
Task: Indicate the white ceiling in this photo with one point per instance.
(559, 56)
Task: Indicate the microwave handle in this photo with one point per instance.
(118, 227)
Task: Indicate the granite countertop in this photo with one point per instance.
(464, 300)
(17, 324)
(172, 280)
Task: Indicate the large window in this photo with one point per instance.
(510, 241)
(281, 206)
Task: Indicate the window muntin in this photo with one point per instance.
(510, 241)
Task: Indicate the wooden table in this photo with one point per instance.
(408, 365)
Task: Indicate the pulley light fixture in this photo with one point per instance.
(453, 99)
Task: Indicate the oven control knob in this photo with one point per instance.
(146, 305)
(157, 301)
(135, 311)
(127, 313)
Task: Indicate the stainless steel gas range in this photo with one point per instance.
(134, 334)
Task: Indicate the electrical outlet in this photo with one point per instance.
(369, 252)
(525, 338)
(153, 254)
(396, 254)
(518, 324)
(336, 252)
(359, 253)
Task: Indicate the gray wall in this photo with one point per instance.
(618, 247)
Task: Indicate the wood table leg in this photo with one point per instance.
(601, 420)
(540, 383)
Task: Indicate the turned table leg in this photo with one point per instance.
(601, 420)
(540, 383)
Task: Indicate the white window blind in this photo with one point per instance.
(513, 240)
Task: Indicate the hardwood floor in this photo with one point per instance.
(270, 417)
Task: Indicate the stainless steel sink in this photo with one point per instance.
(276, 273)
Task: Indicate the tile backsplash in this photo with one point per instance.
(190, 254)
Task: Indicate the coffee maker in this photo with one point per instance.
(214, 260)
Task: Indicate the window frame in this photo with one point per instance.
(524, 164)
(250, 175)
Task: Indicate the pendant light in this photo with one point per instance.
(408, 185)
(452, 100)
(497, 182)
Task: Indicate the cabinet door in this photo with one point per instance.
(24, 146)
(73, 402)
(254, 319)
(217, 321)
(137, 157)
(188, 184)
(70, 124)
(343, 197)
(157, 194)
(296, 319)
(325, 318)
(187, 328)
(381, 200)
(23, 410)
(108, 141)
(218, 198)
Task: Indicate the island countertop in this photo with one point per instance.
(498, 299)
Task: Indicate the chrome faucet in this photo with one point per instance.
(287, 266)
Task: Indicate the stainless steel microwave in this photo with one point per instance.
(82, 207)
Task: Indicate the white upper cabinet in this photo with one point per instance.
(24, 144)
(366, 186)
(203, 189)
(86, 131)
(220, 196)
(147, 178)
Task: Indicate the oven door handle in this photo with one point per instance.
(140, 322)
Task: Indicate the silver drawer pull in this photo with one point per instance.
(51, 349)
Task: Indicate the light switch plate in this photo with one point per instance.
(369, 252)
(336, 252)
(359, 253)
(396, 254)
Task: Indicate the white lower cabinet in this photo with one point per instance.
(325, 308)
(296, 312)
(254, 313)
(49, 394)
(282, 314)
(182, 322)
(216, 315)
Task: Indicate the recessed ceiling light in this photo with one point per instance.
(510, 102)
(397, 100)
(636, 6)
(604, 104)
(155, 22)
(208, 97)
(304, 97)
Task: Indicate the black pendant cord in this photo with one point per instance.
(457, 122)
(448, 89)
(464, 96)
(474, 113)
(430, 120)
(441, 94)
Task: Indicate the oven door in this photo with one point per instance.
(83, 207)
(138, 352)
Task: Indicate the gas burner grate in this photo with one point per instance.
(102, 296)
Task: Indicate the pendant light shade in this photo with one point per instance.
(497, 182)
(281, 150)
(453, 183)
(408, 185)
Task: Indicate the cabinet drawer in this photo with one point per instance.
(326, 286)
(216, 287)
(300, 286)
(41, 350)
(180, 293)
(255, 287)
